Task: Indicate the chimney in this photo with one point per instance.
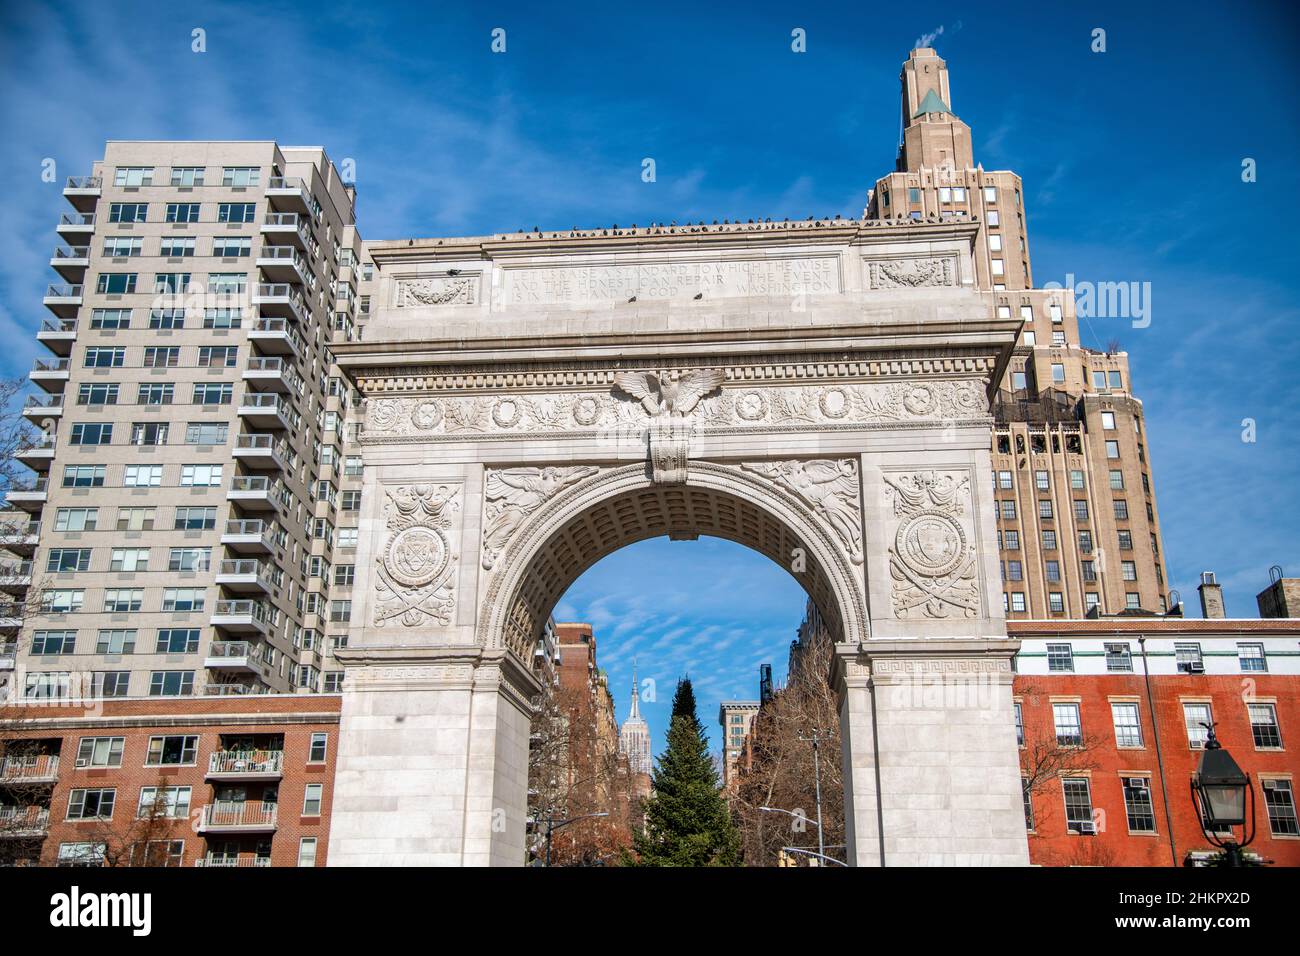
(1281, 598)
(1211, 597)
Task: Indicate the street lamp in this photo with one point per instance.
(1219, 789)
(552, 825)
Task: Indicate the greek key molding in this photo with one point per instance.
(416, 571)
(932, 559)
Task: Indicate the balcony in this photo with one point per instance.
(238, 817)
(234, 690)
(249, 536)
(63, 300)
(38, 407)
(241, 617)
(278, 299)
(20, 822)
(58, 336)
(20, 538)
(8, 656)
(71, 262)
(252, 765)
(32, 497)
(76, 225)
(30, 768)
(83, 191)
(253, 492)
(289, 193)
(275, 336)
(15, 577)
(286, 228)
(260, 451)
(39, 454)
(283, 264)
(212, 859)
(11, 618)
(51, 374)
(247, 575)
(264, 410)
(239, 657)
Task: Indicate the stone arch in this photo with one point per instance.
(620, 506)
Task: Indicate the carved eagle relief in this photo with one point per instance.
(661, 396)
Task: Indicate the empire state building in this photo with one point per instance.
(634, 736)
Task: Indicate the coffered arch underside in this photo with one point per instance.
(621, 506)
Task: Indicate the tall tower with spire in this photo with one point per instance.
(634, 735)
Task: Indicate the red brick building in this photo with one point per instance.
(211, 781)
(1109, 718)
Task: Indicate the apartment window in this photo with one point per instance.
(180, 600)
(1251, 658)
(116, 642)
(91, 433)
(1081, 509)
(158, 802)
(167, 319)
(213, 394)
(1091, 599)
(334, 679)
(350, 501)
(1128, 726)
(1058, 373)
(345, 574)
(142, 476)
(1008, 510)
(111, 683)
(220, 356)
(1069, 733)
(1056, 602)
(123, 600)
(1280, 801)
(1042, 480)
(1137, 804)
(1012, 540)
(1015, 571)
(162, 356)
(81, 854)
(189, 559)
(76, 519)
(228, 247)
(1060, 657)
(62, 600)
(1197, 718)
(1020, 724)
(1058, 339)
(91, 804)
(127, 212)
(1078, 805)
(222, 318)
(116, 283)
(1115, 380)
(156, 394)
(195, 519)
(48, 685)
(54, 642)
(1004, 481)
(205, 433)
(133, 176)
(311, 801)
(352, 467)
(119, 247)
(1076, 479)
(1049, 540)
(149, 433)
(1029, 804)
(1117, 480)
(1119, 658)
(163, 853)
(1112, 449)
(1188, 657)
(182, 212)
(110, 319)
(100, 751)
(177, 640)
(104, 357)
(307, 851)
(187, 176)
(135, 519)
(1018, 601)
(1053, 570)
(1128, 571)
(1125, 539)
(129, 559)
(340, 612)
(200, 476)
(999, 267)
(1263, 726)
(62, 560)
(316, 753)
(347, 538)
(176, 247)
(171, 683)
(171, 283)
(236, 212)
(227, 283)
(240, 176)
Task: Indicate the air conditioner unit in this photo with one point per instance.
(1196, 667)
(1087, 829)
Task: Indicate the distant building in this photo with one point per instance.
(735, 716)
(634, 742)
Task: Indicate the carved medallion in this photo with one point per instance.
(931, 561)
(414, 581)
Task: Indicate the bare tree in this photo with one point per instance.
(1045, 759)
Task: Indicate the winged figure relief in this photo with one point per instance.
(659, 395)
(513, 494)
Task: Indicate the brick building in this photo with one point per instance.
(229, 781)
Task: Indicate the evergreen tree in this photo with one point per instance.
(687, 822)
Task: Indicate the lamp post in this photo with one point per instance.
(552, 825)
(1219, 789)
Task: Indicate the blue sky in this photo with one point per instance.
(1131, 160)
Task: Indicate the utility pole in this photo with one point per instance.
(816, 740)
